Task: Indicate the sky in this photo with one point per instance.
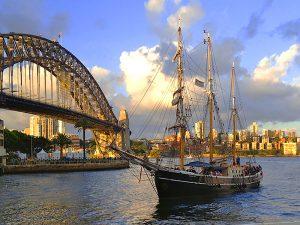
(126, 43)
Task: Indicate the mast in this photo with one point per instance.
(180, 118)
(233, 113)
(210, 96)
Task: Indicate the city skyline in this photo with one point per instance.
(272, 70)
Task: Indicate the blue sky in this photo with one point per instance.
(122, 41)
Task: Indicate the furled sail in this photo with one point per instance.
(176, 96)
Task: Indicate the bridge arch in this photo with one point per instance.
(26, 53)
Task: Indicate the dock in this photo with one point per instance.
(53, 167)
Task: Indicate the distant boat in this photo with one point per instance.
(219, 176)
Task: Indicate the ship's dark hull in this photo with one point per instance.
(173, 184)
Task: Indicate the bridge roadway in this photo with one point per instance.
(19, 104)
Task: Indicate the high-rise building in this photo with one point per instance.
(215, 133)
(244, 135)
(45, 127)
(254, 129)
(200, 129)
(292, 134)
(282, 134)
(52, 128)
(268, 133)
(61, 127)
(35, 126)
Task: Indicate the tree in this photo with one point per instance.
(83, 124)
(61, 140)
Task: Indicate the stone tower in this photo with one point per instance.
(124, 122)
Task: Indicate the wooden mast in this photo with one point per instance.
(210, 95)
(180, 119)
(233, 113)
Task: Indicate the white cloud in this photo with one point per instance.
(139, 68)
(155, 6)
(188, 14)
(99, 72)
(273, 68)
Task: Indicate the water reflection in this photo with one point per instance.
(225, 209)
(116, 197)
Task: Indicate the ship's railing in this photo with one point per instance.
(219, 180)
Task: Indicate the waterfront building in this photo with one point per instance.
(45, 127)
(26, 131)
(254, 129)
(265, 139)
(75, 141)
(292, 134)
(282, 134)
(244, 135)
(255, 138)
(200, 129)
(187, 135)
(35, 126)
(261, 146)
(290, 148)
(245, 146)
(230, 137)
(238, 146)
(215, 134)
(279, 133)
(269, 133)
(2, 149)
(269, 146)
(52, 128)
(61, 127)
(254, 145)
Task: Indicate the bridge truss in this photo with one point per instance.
(41, 77)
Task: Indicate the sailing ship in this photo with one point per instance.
(219, 176)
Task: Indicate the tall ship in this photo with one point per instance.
(199, 178)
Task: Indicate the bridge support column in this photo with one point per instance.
(104, 139)
(125, 133)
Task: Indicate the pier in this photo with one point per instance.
(65, 166)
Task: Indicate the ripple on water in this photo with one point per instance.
(116, 197)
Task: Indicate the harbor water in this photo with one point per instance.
(117, 197)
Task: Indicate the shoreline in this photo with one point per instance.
(72, 167)
(244, 156)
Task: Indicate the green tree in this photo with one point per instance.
(83, 124)
(62, 140)
(18, 141)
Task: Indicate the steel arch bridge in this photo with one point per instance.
(41, 77)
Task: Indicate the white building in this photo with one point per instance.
(200, 129)
(290, 148)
